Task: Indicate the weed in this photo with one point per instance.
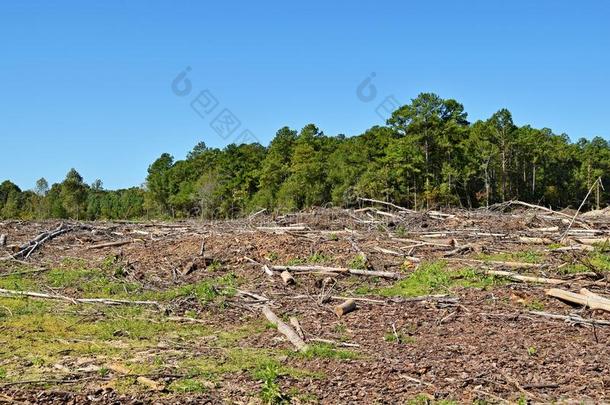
(317, 258)
(271, 392)
(401, 231)
(434, 277)
(327, 351)
(358, 262)
(534, 305)
(272, 256)
(398, 338)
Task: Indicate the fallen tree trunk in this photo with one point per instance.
(593, 302)
(105, 301)
(535, 241)
(335, 270)
(110, 244)
(513, 265)
(593, 241)
(28, 248)
(529, 279)
(284, 329)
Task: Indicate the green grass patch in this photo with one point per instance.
(527, 256)
(433, 278)
(327, 351)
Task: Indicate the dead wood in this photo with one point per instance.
(535, 241)
(297, 326)
(287, 278)
(513, 265)
(110, 244)
(529, 279)
(399, 208)
(345, 308)
(592, 302)
(104, 301)
(593, 241)
(2, 240)
(334, 342)
(598, 181)
(281, 229)
(284, 329)
(573, 319)
(26, 250)
(335, 270)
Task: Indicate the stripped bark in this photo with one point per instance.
(335, 270)
(592, 302)
(529, 279)
(104, 301)
(284, 329)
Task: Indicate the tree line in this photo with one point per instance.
(428, 155)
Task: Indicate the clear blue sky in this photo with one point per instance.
(89, 85)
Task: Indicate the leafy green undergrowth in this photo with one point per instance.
(434, 278)
(597, 260)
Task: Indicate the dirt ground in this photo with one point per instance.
(442, 329)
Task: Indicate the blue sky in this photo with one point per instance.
(89, 85)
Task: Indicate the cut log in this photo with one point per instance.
(25, 250)
(335, 270)
(593, 241)
(591, 294)
(111, 244)
(580, 299)
(105, 301)
(528, 279)
(345, 308)
(333, 342)
(284, 329)
(281, 228)
(512, 265)
(287, 278)
(297, 326)
(535, 241)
